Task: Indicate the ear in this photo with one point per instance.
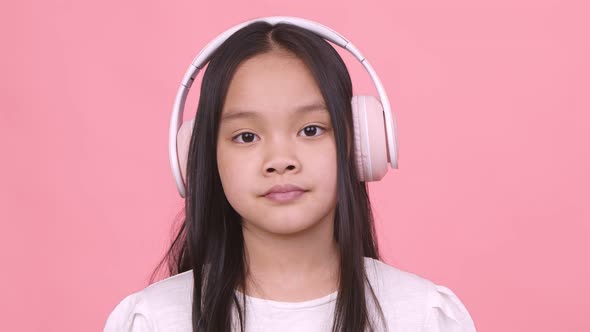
(183, 139)
(349, 147)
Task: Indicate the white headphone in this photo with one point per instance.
(375, 131)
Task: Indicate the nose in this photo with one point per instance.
(280, 168)
(281, 158)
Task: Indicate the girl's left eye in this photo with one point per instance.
(312, 130)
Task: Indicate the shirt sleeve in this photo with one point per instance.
(130, 315)
(447, 313)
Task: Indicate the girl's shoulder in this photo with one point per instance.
(167, 303)
(409, 302)
(412, 302)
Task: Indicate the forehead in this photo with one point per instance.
(272, 84)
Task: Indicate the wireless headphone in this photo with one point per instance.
(375, 137)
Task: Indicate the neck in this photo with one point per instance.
(298, 266)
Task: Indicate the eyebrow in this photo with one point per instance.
(241, 114)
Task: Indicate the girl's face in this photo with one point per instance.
(267, 137)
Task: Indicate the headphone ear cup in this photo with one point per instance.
(183, 139)
(370, 139)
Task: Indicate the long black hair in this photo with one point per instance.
(209, 240)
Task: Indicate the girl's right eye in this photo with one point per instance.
(247, 137)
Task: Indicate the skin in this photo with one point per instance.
(290, 249)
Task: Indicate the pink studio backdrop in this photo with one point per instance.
(491, 198)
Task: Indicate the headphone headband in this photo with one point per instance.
(203, 57)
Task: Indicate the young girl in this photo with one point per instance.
(278, 224)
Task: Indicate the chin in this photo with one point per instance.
(284, 224)
(288, 229)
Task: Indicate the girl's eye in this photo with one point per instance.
(247, 137)
(311, 130)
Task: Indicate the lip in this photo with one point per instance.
(284, 192)
(283, 188)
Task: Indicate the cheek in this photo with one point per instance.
(324, 159)
(324, 168)
(232, 171)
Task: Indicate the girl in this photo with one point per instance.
(278, 225)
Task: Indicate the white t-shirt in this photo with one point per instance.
(409, 303)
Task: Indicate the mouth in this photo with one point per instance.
(286, 196)
(284, 193)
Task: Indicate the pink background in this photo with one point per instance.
(491, 198)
